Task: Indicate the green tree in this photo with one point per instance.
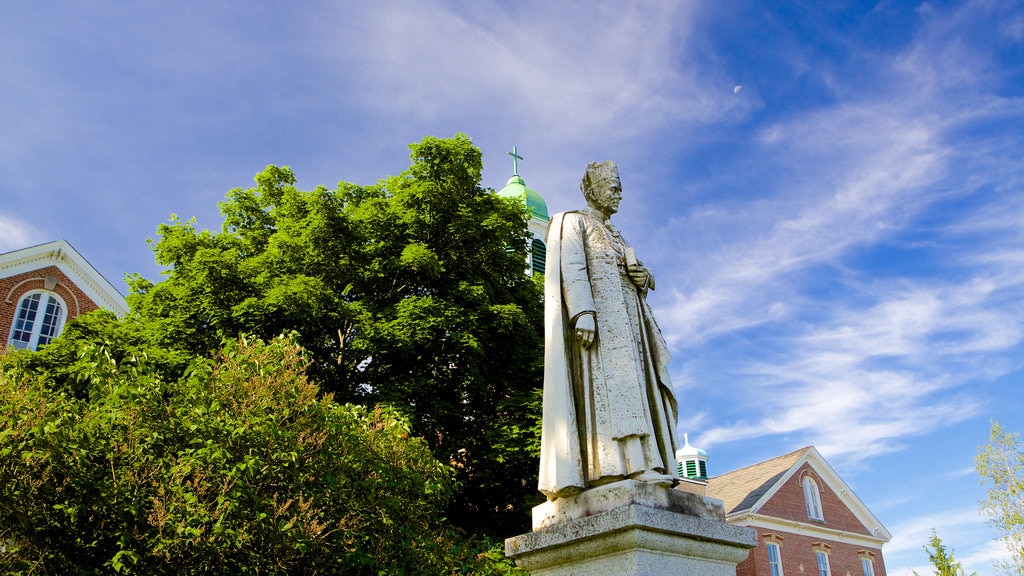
(240, 467)
(409, 293)
(1000, 465)
(944, 562)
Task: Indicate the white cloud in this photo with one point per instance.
(15, 234)
(884, 356)
(962, 531)
(565, 72)
(865, 187)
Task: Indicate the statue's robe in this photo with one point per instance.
(598, 399)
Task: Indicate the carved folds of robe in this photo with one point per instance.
(609, 410)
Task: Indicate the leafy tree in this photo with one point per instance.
(241, 467)
(64, 363)
(1000, 464)
(944, 562)
(409, 293)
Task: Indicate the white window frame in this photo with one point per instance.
(34, 330)
(774, 560)
(823, 567)
(812, 497)
(867, 566)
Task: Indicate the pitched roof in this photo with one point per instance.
(741, 489)
(61, 254)
(746, 490)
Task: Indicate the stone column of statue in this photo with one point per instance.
(609, 410)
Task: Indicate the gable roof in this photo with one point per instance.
(61, 254)
(745, 491)
(742, 489)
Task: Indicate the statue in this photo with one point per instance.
(609, 410)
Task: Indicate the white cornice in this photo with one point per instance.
(806, 528)
(834, 482)
(61, 254)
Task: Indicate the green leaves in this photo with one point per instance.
(1000, 465)
(409, 292)
(944, 561)
(190, 438)
(240, 467)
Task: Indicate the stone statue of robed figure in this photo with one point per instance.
(609, 410)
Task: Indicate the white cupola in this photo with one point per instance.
(693, 462)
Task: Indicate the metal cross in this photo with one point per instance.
(515, 160)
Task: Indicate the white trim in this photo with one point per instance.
(828, 475)
(820, 555)
(812, 498)
(36, 332)
(812, 529)
(62, 255)
(778, 558)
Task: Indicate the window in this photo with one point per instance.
(812, 498)
(39, 318)
(823, 569)
(693, 468)
(539, 254)
(774, 559)
(867, 563)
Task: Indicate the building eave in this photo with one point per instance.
(760, 521)
(65, 258)
(816, 461)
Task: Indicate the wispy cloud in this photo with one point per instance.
(881, 355)
(959, 530)
(565, 72)
(15, 234)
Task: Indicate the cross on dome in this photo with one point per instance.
(515, 160)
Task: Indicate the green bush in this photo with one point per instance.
(240, 467)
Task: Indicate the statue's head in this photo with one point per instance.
(601, 187)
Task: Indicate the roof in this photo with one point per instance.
(516, 188)
(746, 490)
(741, 489)
(61, 254)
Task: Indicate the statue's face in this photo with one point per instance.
(605, 195)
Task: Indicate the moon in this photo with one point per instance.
(736, 89)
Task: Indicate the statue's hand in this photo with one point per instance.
(586, 328)
(639, 274)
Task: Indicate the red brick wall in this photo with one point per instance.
(799, 557)
(798, 552)
(788, 503)
(76, 300)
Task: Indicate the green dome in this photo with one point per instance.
(516, 188)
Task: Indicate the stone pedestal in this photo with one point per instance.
(631, 528)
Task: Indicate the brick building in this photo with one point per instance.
(44, 286)
(807, 519)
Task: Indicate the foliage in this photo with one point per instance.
(944, 562)
(65, 362)
(1000, 464)
(408, 293)
(240, 467)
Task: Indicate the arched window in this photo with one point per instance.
(812, 498)
(39, 318)
(538, 252)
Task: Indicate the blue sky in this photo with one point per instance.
(830, 194)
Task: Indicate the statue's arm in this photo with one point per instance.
(576, 290)
(642, 277)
